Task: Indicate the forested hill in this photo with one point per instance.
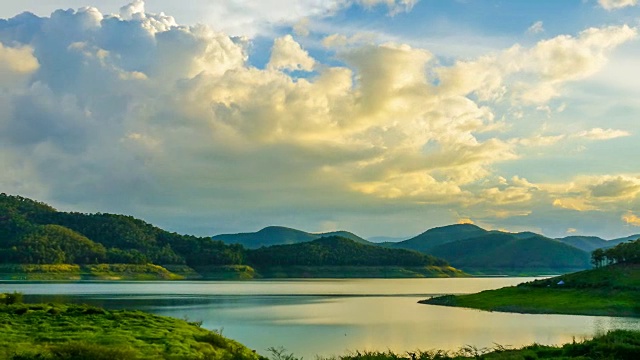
(338, 251)
(280, 235)
(503, 253)
(35, 233)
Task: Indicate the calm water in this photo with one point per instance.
(329, 317)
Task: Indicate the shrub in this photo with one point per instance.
(12, 298)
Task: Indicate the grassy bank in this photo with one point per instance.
(615, 345)
(227, 272)
(48, 331)
(610, 291)
(86, 272)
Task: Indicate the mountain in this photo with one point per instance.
(438, 236)
(590, 243)
(279, 235)
(386, 239)
(338, 251)
(508, 254)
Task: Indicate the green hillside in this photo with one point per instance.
(612, 290)
(279, 235)
(327, 255)
(336, 250)
(56, 331)
(437, 236)
(34, 233)
(503, 253)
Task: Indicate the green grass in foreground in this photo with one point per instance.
(615, 345)
(55, 331)
(609, 291)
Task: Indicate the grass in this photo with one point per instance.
(56, 331)
(615, 345)
(86, 272)
(609, 291)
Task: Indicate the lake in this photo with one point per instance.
(330, 317)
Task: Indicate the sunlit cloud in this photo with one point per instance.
(602, 134)
(631, 219)
(138, 112)
(617, 4)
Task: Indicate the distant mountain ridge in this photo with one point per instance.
(466, 246)
(280, 235)
(590, 243)
(438, 236)
(506, 253)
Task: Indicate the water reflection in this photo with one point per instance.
(329, 317)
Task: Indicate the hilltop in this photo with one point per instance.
(336, 256)
(504, 253)
(479, 251)
(438, 236)
(280, 235)
(590, 243)
(611, 290)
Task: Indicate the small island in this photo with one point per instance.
(611, 289)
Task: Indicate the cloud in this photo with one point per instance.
(602, 134)
(287, 54)
(534, 76)
(136, 113)
(589, 193)
(395, 6)
(251, 18)
(573, 204)
(540, 140)
(572, 230)
(616, 4)
(536, 28)
(616, 187)
(631, 219)
(16, 64)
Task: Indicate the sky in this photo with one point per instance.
(380, 117)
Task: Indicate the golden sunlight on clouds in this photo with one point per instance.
(573, 204)
(464, 221)
(631, 219)
(287, 54)
(183, 108)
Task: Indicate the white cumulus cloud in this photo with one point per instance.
(617, 4)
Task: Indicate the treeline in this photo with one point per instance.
(35, 233)
(628, 252)
(338, 251)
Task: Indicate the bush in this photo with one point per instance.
(12, 298)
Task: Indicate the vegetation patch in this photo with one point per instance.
(615, 345)
(56, 331)
(610, 291)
